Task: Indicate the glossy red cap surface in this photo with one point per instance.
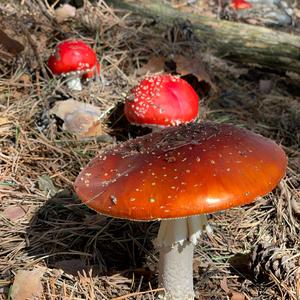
(240, 4)
(162, 100)
(181, 171)
(73, 56)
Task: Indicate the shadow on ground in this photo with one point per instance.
(69, 236)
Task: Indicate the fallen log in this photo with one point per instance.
(248, 44)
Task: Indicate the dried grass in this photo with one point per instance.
(87, 256)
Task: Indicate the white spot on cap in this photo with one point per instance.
(113, 199)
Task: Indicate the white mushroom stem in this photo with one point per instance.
(176, 240)
(74, 83)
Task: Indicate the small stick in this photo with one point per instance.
(136, 294)
(45, 11)
(36, 52)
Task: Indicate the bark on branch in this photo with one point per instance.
(235, 41)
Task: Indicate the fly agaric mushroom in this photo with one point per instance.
(240, 4)
(177, 175)
(161, 100)
(75, 60)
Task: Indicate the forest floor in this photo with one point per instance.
(52, 244)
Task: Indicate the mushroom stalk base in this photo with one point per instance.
(176, 272)
(74, 84)
(176, 240)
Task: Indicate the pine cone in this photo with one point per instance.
(263, 260)
(266, 259)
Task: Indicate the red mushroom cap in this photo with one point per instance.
(181, 171)
(240, 4)
(73, 56)
(91, 74)
(162, 100)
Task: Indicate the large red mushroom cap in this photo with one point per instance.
(181, 171)
(161, 100)
(73, 56)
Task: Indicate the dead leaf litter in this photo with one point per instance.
(52, 246)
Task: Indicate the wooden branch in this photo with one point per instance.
(235, 41)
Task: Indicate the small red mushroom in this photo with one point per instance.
(161, 100)
(75, 60)
(177, 175)
(240, 4)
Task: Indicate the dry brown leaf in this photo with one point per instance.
(230, 293)
(81, 119)
(27, 285)
(155, 65)
(14, 213)
(46, 185)
(194, 66)
(12, 46)
(64, 12)
(95, 130)
(63, 108)
(197, 264)
(224, 286)
(265, 86)
(236, 295)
